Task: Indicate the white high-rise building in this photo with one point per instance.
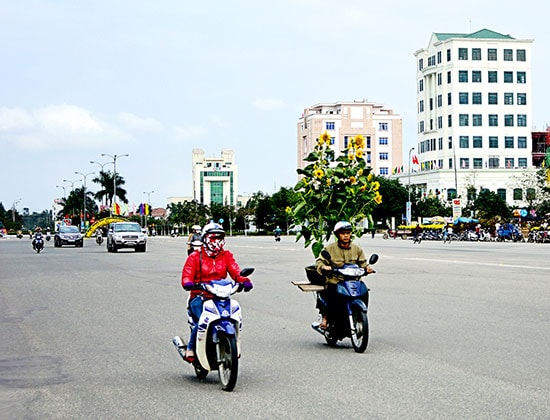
(474, 117)
(215, 178)
(379, 125)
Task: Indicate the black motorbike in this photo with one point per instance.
(99, 238)
(38, 243)
(347, 316)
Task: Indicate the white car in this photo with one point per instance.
(126, 235)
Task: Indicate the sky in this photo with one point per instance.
(156, 79)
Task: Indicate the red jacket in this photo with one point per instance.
(199, 267)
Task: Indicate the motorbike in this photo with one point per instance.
(348, 317)
(99, 238)
(19, 235)
(48, 236)
(218, 337)
(277, 237)
(38, 243)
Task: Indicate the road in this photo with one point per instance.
(458, 330)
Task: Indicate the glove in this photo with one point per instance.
(247, 285)
(188, 285)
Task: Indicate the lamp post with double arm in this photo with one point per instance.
(114, 157)
(83, 224)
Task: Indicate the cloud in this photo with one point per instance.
(133, 122)
(66, 127)
(268, 104)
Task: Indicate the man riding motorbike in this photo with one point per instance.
(37, 235)
(210, 262)
(343, 251)
(194, 237)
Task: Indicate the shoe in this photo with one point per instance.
(189, 356)
(323, 324)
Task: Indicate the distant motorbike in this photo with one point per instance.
(38, 243)
(99, 238)
(218, 339)
(19, 235)
(348, 318)
(48, 236)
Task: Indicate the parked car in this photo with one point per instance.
(68, 235)
(126, 235)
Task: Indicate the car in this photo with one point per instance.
(126, 235)
(68, 235)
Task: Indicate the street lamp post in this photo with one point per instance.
(101, 170)
(148, 204)
(62, 186)
(408, 210)
(83, 224)
(114, 157)
(13, 209)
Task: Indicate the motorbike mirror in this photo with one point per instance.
(245, 272)
(326, 255)
(373, 259)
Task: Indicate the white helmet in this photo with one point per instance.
(342, 225)
(196, 228)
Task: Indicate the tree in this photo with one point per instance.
(73, 205)
(433, 206)
(106, 193)
(488, 204)
(395, 197)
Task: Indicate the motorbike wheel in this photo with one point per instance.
(330, 339)
(228, 368)
(360, 339)
(385, 236)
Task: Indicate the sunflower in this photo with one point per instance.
(353, 180)
(375, 185)
(359, 153)
(377, 198)
(318, 173)
(325, 138)
(360, 172)
(359, 141)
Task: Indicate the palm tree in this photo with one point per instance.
(105, 194)
(73, 205)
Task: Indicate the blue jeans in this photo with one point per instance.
(194, 311)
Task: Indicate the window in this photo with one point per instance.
(464, 142)
(421, 85)
(508, 55)
(439, 82)
(439, 122)
(522, 162)
(463, 120)
(450, 163)
(518, 194)
(493, 162)
(438, 57)
(522, 99)
(448, 54)
(421, 127)
(420, 64)
(478, 163)
(476, 120)
(508, 77)
(332, 140)
(492, 54)
(367, 139)
(450, 142)
(493, 98)
(520, 55)
(431, 104)
(449, 98)
(493, 142)
(383, 126)
(493, 120)
(508, 98)
(508, 163)
(463, 76)
(384, 171)
(508, 120)
(383, 156)
(421, 106)
(476, 76)
(369, 157)
(508, 142)
(440, 144)
(463, 53)
(522, 142)
(449, 120)
(477, 142)
(329, 125)
(451, 193)
(521, 77)
(465, 163)
(346, 141)
(492, 76)
(449, 77)
(476, 54)
(476, 98)
(439, 101)
(530, 194)
(522, 120)
(463, 98)
(501, 192)
(383, 141)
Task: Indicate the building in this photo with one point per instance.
(381, 128)
(215, 178)
(474, 117)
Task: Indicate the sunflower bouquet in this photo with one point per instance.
(333, 189)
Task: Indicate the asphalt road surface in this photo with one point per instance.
(458, 330)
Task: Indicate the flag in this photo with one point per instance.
(116, 209)
(147, 209)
